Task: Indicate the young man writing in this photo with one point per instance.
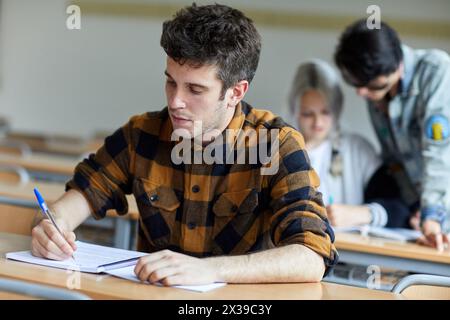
(204, 222)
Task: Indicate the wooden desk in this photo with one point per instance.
(58, 145)
(23, 195)
(14, 296)
(108, 287)
(357, 249)
(42, 166)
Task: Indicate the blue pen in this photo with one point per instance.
(46, 212)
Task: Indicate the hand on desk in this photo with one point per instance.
(172, 268)
(433, 236)
(414, 221)
(48, 243)
(343, 215)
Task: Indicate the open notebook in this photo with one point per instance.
(97, 259)
(128, 273)
(387, 233)
(88, 258)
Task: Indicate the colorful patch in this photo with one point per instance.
(437, 128)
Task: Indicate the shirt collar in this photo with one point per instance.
(237, 122)
(408, 87)
(166, 128)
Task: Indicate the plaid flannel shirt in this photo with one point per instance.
(209, 209)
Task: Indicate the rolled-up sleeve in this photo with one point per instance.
(299, 214)
(104, 177)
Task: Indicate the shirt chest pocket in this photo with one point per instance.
(235, 215)
(158, 205)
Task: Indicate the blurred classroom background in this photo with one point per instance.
(79, 82)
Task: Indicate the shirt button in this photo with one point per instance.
(234, 208)
(154, 197)
(191, 225)
(195, 189)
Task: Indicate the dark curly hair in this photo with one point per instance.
(367, 53)
(214, 35)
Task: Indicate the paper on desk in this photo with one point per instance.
(88, 258)
(399, 234)
(128, 273)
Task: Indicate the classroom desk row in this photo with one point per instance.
(55, 144)
(108, 287)
(49, 173)
(358, 249)
(352, 248)
(23, 195)
(43, 166)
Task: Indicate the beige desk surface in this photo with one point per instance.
(108, 287)
(71, 146)
(42, 162)
(51, 192)
(355, 242)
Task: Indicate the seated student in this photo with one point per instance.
(201, 221)
(345, 162)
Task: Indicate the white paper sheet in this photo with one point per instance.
(128, 273)
(398, 234)
(88, 258)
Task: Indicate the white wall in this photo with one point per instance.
(74, 82)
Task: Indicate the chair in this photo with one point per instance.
(5, 126)
(423, 286)
(11, 174)
(57, 144)
(20, 289)
(16, 148)
(17, 219)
